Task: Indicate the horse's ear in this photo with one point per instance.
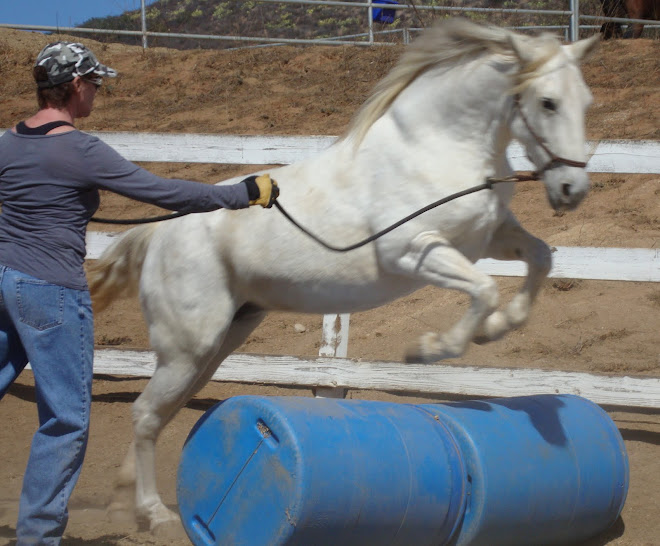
(521, 48)
(582, 49)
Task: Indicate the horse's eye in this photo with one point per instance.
(549, 104)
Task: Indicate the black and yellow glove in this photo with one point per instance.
(262, 190)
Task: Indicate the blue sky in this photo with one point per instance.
(64, 13)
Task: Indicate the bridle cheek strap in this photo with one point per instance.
(555, 160)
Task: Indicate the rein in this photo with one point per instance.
(488, 185)
(554, 161)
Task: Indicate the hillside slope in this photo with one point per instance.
(255, 18)
(303, 90)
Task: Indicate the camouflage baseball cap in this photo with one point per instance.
(64, 61)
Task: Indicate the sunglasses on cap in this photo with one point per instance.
(95, 80)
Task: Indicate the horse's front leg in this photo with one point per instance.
(512, 242)
(432, 259)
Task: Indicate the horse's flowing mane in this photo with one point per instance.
(451, 42)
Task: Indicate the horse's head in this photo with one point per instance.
(548, 118)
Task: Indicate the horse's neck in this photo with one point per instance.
(468, 104)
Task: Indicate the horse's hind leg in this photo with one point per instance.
(512, 242)
(176, 379)
(436, 262)
(122, 506)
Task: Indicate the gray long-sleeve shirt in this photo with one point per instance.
(49, 191)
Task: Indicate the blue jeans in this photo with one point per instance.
(51, 327)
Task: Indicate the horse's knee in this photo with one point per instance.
(487, 294)
(498, 323)
(146, 424)
(518, 310)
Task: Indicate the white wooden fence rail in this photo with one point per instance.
(343, 373)
(618, 156)
(330, 374)
(615, 156)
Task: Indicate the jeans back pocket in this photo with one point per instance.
(40, 304)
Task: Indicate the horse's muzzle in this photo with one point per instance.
(567, 193)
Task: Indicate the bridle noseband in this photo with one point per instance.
(555, 160)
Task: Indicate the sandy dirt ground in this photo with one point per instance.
(592, 326)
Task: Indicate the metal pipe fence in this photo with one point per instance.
(571, 29)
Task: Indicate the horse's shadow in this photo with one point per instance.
(543, 417)
(546, 420)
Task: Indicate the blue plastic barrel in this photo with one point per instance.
(545, 469)
(289, 470)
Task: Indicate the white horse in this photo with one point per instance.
(438, 123)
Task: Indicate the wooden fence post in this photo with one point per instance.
(334, 343)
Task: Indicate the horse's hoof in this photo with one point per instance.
(119, 514)
(432, 348)
(417, 355)
(171, 530)
(414, 355)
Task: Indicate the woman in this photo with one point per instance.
(50, 174)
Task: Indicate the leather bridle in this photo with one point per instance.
(555, 160)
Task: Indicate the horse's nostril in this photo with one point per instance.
(566, 189)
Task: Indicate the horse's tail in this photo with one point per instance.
(116, 274)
